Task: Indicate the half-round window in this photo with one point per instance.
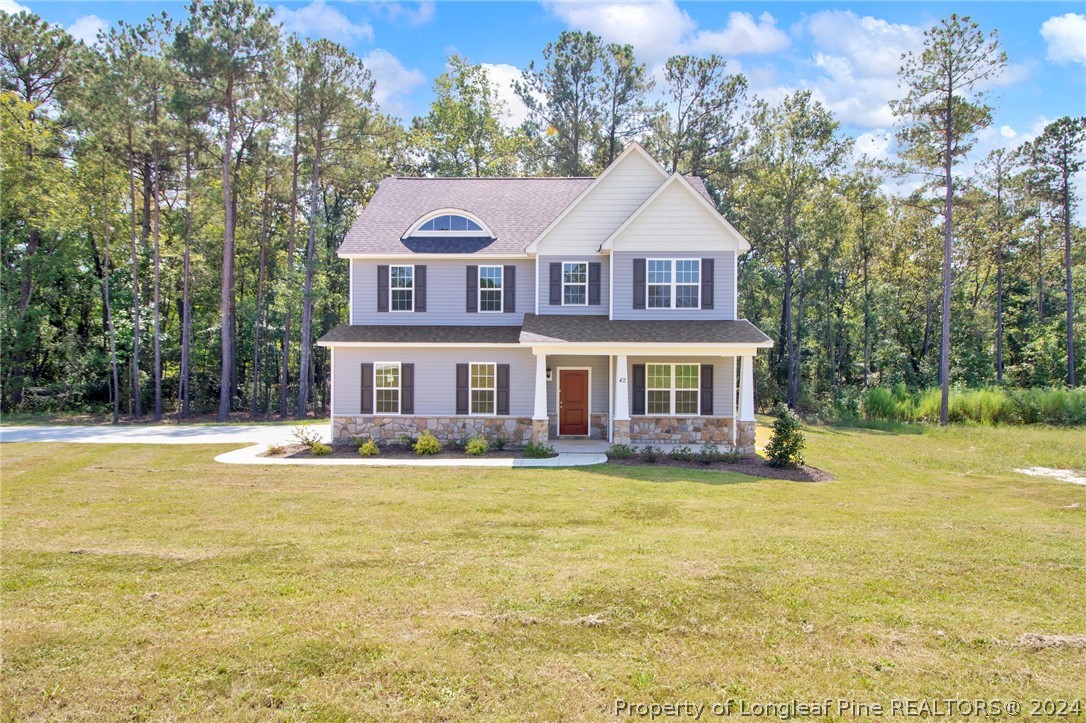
(449, 222)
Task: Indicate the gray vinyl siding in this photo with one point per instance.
(598, 393)
(723, 286)
(543, 285)
(446, 293)
(723, 393)
(435, 376)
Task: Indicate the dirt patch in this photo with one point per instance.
(1063, 475)
(1034, 641)
(395, 451)
(753, 466)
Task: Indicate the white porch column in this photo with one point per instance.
(622, 389)
(540, 386)
(746, 390)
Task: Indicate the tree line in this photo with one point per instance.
(173, 197)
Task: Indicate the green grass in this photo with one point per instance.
(148, 582)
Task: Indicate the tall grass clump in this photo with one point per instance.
(879, 403)
(993, 405)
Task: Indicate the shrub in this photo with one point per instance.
(320, 450)
(427, 444)
(927, 406)
(681, 454)
(538, 450)
(307, 435)
(879, 403)
(785, 448)
(620, 451)
(709, 453)
(731, 458)
(406, 440)
(276, 449)
(500, 443)
(651, 454)
(369, 448)
(477, 446)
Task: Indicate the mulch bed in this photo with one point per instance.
(395, 451)
(753, 466)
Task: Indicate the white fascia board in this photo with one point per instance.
(645, 349)
(409, 255)
(631, 147)
(422, 345)
(676, 178)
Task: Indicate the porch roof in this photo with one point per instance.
(577, 329)
(417, 334)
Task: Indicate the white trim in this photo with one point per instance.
(332, 390)
(350, 291)
(735, 401)
(558, 400)
(479, 289)
(631, 348)
(585, 284)
(632, 146)
(672, 390)
(483, 389)
(608, 243)
(413, 229)
(411, 255)
(610, 287)
(538, 285)
(610, 398)
(391, 288)
(399, 389)
(674, 284)
(424, 345)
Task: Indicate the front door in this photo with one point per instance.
(573, 401)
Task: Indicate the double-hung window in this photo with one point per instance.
(674, 283)
(672, 389)
(386, 388)
(575, 283)
(491, 288)
(483, 386)
(402, 288)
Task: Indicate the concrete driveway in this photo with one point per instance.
(158, 434)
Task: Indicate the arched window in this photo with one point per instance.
(449, 222)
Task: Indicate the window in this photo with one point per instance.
(402, 288)
(450, 223)
(674, 283)
(575, 284)
(672, 389)
(483, 388)
(490, 288)
(386, 388)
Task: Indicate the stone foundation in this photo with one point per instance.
(620, 431)
(540, 431)
(597, 426)
(746, 437)
(517, 430)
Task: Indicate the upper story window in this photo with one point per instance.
(401, 288)
(674, 283)
(491, 288)
(449, 222)
(574, 283)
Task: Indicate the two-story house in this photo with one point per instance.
(536, 308)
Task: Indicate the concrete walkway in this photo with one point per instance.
(250, 455)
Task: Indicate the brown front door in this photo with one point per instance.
(573, 401)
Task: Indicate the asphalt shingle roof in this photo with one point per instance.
(409, 334)
(516, 210)
(587, 329)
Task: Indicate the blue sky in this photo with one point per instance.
(847, 53)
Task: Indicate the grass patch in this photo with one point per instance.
(150, 582)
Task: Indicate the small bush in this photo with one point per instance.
(477, 446)
(307, 435)
(320, 450)
(276, 449)
(681, 454)
(427, 444)
(538, 450)
(708, 453)
(785, 448)
(879, 403)
(500, 443)
(651, 454)
(620, 451)
(369, 448)
(406, 440)
(731, 458)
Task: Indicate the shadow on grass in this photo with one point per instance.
(662, 474)
(861, 425)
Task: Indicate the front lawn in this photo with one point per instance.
(149, 582)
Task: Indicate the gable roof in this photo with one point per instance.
(578, 329)
(515, 209)
(698, 192)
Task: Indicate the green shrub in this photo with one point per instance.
(620, 451)
(307, 435)
(406, 440)
(320, 450)
(538, 450)
(731, 458)
(500, 443)
(369, 448)
(651, 454)
(709, 453)
(427, 444)
(477, 446)
(927, 406)
(681, 454)
(879, 403)
(785, 448)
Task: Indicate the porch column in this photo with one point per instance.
(745, 422)
(620, 433)
(540, 420)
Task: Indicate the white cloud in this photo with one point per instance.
(392, 81)
(501, 76)
(320, 20)
(742, 35)
(87, 28)
(1008, 132)
(418, 14)
(11, 7)
(655, 29)
(1065, 38)
(876, 145)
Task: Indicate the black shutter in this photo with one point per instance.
(639, 283)
(556, 284)
(367, 387)
(706, 390)
(473, 289)
(594, 269)
(407, 389)
(503, 389)
(509, 289)
(420, 288)
(707, 283)
(638, 388)
(382, 287)
(461, 388)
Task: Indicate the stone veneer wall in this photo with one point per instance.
(597, 426)
(516, 429)
(686, 430)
